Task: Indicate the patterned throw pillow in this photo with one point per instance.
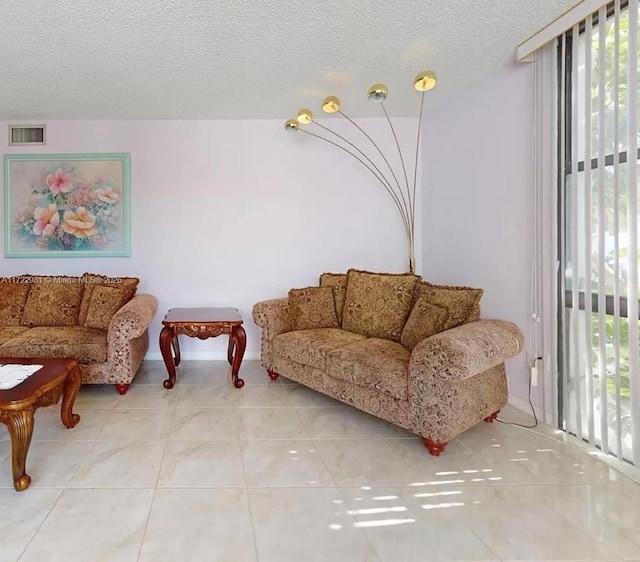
(312, 308)
(338, 282)
(426, 319)
(13, 297)
(463, 303)
(53, 300)
(93, 280)
(377, 304)
(105, 302)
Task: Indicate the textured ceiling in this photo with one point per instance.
(155, 59)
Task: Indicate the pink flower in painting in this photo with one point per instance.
(107, 195)
(47, 219)
(80, 223)
(60, 182)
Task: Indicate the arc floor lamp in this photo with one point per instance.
(401, 191)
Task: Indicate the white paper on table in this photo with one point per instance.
(12, 375)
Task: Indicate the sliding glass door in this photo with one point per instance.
(599, 398)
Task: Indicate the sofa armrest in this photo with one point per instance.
(133, 318)
(273, 317)
(467, 350)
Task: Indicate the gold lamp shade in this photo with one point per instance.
(331, 104)
(305, 116)
(291, 125)
(425, 81)
(378, 92)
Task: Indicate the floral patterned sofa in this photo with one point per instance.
(97, 320)
(415, 354)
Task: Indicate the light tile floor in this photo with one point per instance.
(276, 472)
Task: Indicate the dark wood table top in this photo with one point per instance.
(51, 372)
(202, 315)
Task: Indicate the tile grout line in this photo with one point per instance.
(24, 550)
(246, 487)
(155, 489)
(339, 492)
(482, 542)
(62, 493)
(575, 526)
(153, 498)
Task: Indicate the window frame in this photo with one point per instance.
(564, 171)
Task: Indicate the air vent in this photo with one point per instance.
(20, 135)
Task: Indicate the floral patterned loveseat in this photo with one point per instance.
(97, 320)
(415, 354)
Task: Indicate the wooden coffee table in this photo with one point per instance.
(18, 404)
(202, 323)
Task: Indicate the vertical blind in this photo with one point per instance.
(599, 398)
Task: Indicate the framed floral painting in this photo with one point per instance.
(66, 205)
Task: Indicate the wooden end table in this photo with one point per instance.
(202, 323)
(18, 404)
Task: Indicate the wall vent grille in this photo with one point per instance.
(20, 135)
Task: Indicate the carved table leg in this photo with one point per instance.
(489, 419)
(71, 387)
(230, 350)
(167, 335)
(176, 350)
(434, 447)
(20, 426)
(239, 337)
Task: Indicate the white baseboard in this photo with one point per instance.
(525, 407)
(202, 355)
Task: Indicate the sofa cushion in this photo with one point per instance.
(377, 305)
(426, 319)
(87, 345)
(463, 303)
(312, 308)
(9, 332)
(53, 301)
(13, 297)
(378, 364)
(338, 284)
(93, 280)
(105, 302)
(310, 347)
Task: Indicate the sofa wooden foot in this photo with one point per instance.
(273, 375)
(434, 447)
(489, 419)
(122, 388)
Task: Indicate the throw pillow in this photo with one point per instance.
(13, 297)
(53, 300)
(92, 280)
(105, 302)
(426, 319)
(377, 304)
(463, 303)
(312, 308)
(338, 283)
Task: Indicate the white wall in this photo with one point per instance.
(227, 213)
(477, 178)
